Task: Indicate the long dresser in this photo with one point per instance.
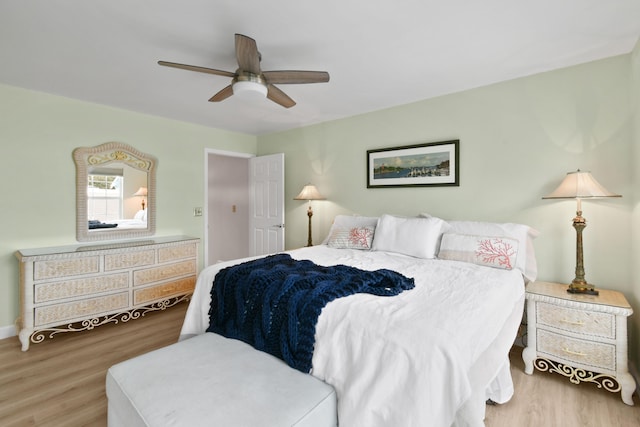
(78, 287)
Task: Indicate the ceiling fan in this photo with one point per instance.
(250, 78)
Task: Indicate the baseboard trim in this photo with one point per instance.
(7, 331)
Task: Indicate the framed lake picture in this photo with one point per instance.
(435, 164)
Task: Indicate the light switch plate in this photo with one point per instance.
(197, 211)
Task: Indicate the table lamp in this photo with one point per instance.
(309, 192)
(580, 185)
(142, 191)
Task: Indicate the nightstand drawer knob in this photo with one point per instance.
(570, 322)
(575, 353)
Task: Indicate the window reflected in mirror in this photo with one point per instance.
(104, 194)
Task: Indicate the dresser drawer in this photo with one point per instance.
(595, 354)
(65, 267)
(85, 308)
(173, 253)
(129, 259)
(164, 272)
(45, 292)
(163, 291)
(588, 323)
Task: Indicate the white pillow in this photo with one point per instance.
(345, 222)
(418, 237)
(526, 258)
(491, 251)
(352, 238)
(141, 215)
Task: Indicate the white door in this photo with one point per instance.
(266, 204)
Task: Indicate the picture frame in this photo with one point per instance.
(430, 164)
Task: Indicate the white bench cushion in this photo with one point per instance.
(209, 380)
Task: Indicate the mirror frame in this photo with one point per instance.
(103, 154)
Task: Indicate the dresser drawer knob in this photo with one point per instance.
(570, 322)
(574, 353)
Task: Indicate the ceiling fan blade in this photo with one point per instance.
(222, 95)
(247, 54)
(279, 97)
(196, 68)
(297, 77)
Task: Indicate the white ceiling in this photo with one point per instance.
(379, 53)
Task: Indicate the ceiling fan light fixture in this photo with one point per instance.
(247, 88)
(249, 85)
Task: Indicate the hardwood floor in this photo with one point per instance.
(550, 400)
(60, 382)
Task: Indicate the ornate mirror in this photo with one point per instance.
(115, 192)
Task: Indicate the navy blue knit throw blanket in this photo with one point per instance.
(273, 303)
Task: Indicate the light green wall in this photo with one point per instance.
(518, 139)
(38, 132)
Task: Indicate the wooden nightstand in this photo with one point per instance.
(582, 337)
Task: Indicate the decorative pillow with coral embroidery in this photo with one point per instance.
(498, 252)
(349, 221)
(351, 238)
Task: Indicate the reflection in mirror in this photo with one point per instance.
(115, 192)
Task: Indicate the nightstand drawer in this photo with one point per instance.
(577, 321)
(570, 350)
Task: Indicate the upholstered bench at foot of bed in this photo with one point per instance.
(209, 380)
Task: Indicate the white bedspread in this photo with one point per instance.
(404, 360)
(129, 223)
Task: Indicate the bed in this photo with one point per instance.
(137, 222)
(431, 355)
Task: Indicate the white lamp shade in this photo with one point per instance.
(309, 192)
(580, 185)
(142, 191)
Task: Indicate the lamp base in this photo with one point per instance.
(579, 285)
(582, 287)
(309, 214)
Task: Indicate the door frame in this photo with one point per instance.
(205, 208)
